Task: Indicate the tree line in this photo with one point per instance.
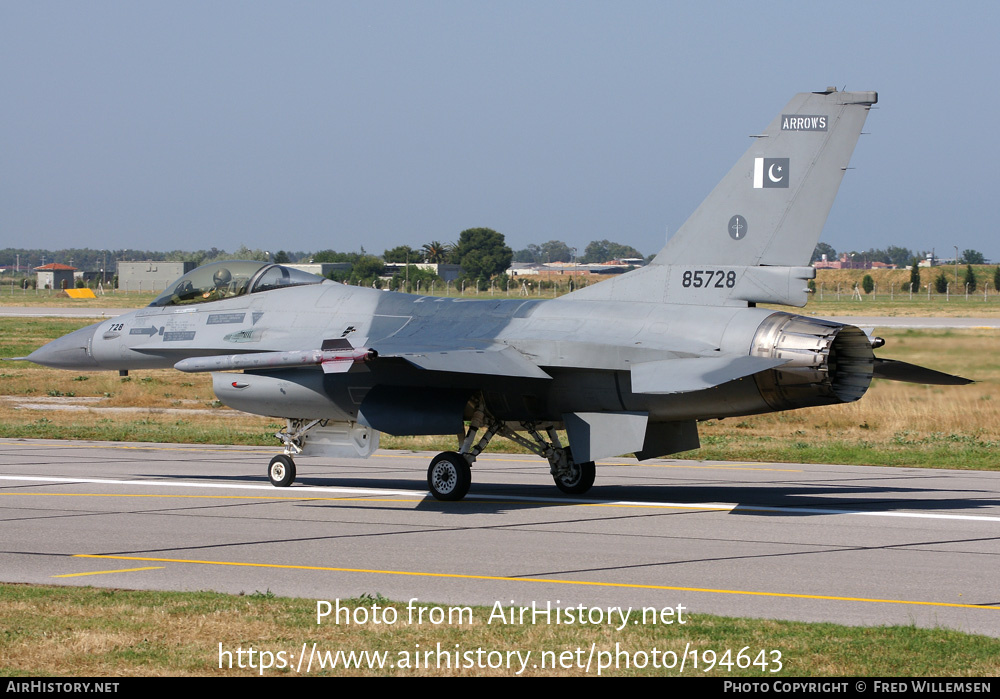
(91, 260)
(481, 253)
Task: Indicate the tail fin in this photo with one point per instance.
(771, 207)
(768, 211)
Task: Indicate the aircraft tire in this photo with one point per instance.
(281, 471)
(449, 476)
(581, 480)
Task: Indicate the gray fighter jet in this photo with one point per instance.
(629, 365)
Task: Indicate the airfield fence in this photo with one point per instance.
(843, 290)
(518, 287)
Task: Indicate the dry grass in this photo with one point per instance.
(890, 417)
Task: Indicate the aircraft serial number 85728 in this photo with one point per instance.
(629, 365)
(710, 277)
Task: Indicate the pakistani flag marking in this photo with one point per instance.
(769, 173)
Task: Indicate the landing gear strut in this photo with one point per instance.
(449, 475)
(570, 477)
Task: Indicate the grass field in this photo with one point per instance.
(115, 633)
(30, 298)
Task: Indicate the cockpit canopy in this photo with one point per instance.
(223, 280)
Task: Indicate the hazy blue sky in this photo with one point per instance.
(314, 125)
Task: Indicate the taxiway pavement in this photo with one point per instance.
(847, 544)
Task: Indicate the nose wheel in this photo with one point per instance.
(281, 471)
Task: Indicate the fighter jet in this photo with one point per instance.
(629, 365)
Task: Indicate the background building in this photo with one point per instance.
(55, 276)
(322, 269)
(150, 276)
(447, 272)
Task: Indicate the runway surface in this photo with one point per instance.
(61, 312)
(846, 544)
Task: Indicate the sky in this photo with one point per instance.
(348, 125)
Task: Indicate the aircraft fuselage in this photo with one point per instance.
(587, 347)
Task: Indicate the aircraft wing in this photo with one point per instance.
(505, 361)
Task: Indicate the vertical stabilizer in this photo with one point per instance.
(771, 207)
(750, 241)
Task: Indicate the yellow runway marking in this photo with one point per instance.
(107, 572)
(551, 581)
(208, 497)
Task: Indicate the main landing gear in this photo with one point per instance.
(450, 474)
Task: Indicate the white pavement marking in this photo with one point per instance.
(294, 491)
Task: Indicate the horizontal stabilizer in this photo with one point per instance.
(893, 370)
(696, 373)
(504, 362)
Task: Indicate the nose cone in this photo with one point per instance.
(68, 352)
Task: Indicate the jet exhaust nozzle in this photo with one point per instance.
(826, 362)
